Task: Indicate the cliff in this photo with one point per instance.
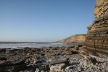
(79, 38)
(97, 36)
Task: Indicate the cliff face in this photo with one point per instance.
(97, 36)
(79, 38)
(101, 8)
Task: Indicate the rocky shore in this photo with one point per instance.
(88, 57)
(51, 59)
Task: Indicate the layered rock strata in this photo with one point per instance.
(97, 36)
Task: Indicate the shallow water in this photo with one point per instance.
(30, 44)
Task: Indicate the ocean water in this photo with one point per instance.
(30, 44)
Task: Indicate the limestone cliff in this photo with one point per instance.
(97, 36)
(79, 38)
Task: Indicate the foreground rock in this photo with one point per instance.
(57, 67)
(52, 59)
(32, 59)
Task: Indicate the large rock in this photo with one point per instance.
(59, 60)
(57, 67)
(12, 64)
(88, 61)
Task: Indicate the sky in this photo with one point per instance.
(44, 20)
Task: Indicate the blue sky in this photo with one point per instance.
(44, 20)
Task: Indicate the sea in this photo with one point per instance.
(31, 44)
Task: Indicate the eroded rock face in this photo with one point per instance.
(97, 36)
(101, 8)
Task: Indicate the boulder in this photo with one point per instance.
(57, 67)
(88, 61)
(53, 61)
